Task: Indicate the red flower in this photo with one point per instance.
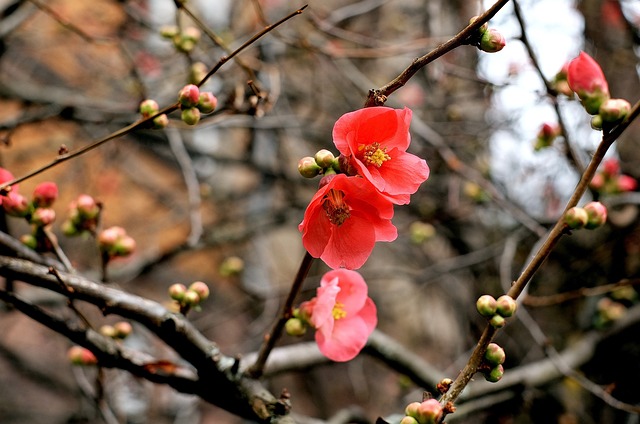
(587, 80)
(342, 314)
(4, 177)
(374, 141)
(344, 220)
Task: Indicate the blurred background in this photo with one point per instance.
(220, 202)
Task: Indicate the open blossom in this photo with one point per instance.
(342, 313)
(344, 220)
(586, 78)
(374, 143)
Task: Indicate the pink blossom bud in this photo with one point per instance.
(189, 96)
(208, 102)
(505, 306)
(201, 288)
(45, 194)
(495, 374)
(15, 204)
(626, 183)
(160, 122)
(429, 412)
(486, 305)
(324, 158)
(546, 135)
(43, 216)
(611, 167)
(148, 108)
(409, 420)
(587, 80)
(308, 167)
(491, 41)
(122, 329)
(124, 246)
(190, 116)
(87, 206)
(78, 355)
(614, 110)
(597, 182)
(576, 218)
(494, 354)
(110, 236)
(411, 410)
(177, 291)
(295, 327)
(597, 215)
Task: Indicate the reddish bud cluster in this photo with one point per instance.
(193, 103)
(189, 297)
(546, 136)
(426, 412)
(114, 241)
(496, 310)
(590, 216)
(84, 215)
(610, 180)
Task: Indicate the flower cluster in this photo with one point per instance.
(586, 79)
(491, 366)
(350, 212)
(609, 180)
(496, 310)
(353, 210)
(190, 297)
(193, 103)
(428, 411)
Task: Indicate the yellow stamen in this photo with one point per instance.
(338, 311)
(374, 155)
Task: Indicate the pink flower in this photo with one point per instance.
(344, 220)
(374, 141)
(342, 314)
(4, 177)
(587, 80)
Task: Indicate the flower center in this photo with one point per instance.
(373, 154)
(338, 311)
(335, 207)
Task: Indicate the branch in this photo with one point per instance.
(235, 393)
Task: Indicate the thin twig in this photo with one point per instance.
(257, 368)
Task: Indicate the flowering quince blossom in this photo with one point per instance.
(373, 142)
(586, 79)
(344, 219)
(4, 177)
(342, 313)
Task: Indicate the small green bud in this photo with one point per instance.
(614, 110)
(207, 102)
(295, 327)
(177, 291)
(324, 158)
(495, 354)
(495, 374)
(497, 321)
(420, 232)
(576, 218)
(148, 107)
(596, 122)
(160, 122)
(201, 288)
(486, 305)
(491, 41)
(308, 168)
(169, 31)
(190, 116)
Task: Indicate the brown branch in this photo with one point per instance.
(378, 97)
(235, 393)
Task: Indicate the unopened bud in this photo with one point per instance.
(495, 354)
(625, 183)
(233, 265)
(597, 215)
(15, 204)
(486, 305)
(148, 108)
(614, 110)
(108, 331)
(596, 122)
(409, 420)
(505, 306)
(201, 288)
(420, 232)
(42, 217)
(308, 168)
(78, 355)
(122, 329)
(484, 26)
(177, 291)
(169, 31)
(160, 122)
(295, 327)
(429, 412)
(191, 298)
(208, 102)
(197, 72)
(491, 41)
(45, 194)
(124, 246)
(324, 158)
(495, 374)
(576, 218)
(189, 96)
(87, 206)
(497, 321)
(190, 116)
